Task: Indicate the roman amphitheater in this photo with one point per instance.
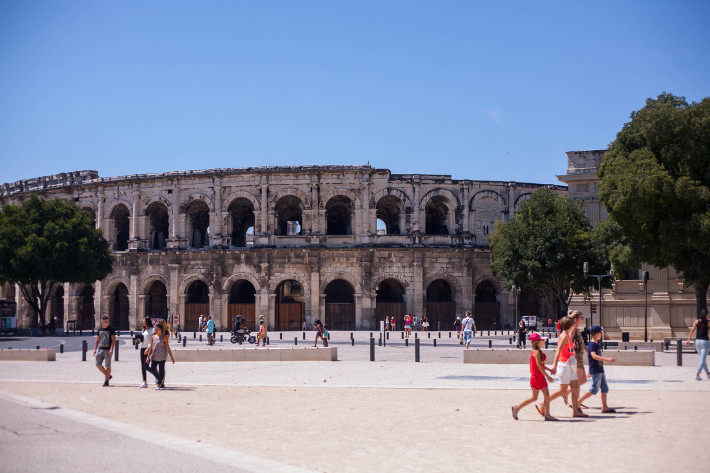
(347, 244)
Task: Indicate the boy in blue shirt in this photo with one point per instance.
(596, 369)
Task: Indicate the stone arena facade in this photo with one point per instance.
(347, 244)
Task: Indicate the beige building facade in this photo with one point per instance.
(349, 245)
(669, 307)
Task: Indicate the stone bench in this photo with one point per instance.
(28, 355)
(513, 357)
(256, 354)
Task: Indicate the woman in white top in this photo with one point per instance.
(145, 343)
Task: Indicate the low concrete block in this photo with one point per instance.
(28, 355)
(657, 346)
(514, 356)
(256, 354)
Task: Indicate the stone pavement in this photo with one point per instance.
(352, 415)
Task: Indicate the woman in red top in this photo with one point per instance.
(538, 380)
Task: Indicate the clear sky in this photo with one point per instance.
(478, 90)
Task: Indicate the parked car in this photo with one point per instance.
(530, 321)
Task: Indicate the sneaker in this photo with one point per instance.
(144, 385)
(708, 374)
(158, 388)
(106, 383)
(697, 376)
(515, 412)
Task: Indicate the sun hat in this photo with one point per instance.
(534, 337)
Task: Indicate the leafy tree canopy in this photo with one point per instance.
(544, 247)
(655, 184)
(45, 242)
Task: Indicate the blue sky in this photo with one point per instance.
(478, 90)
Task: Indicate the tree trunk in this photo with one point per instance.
(701, 292)
(37, 296)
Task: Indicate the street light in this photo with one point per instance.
(599, 277)
(515, 290)
(645, 306)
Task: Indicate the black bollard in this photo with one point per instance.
(84, 347)
(679, 351)
(221, 338)
(490, 343)
(61, 348)
(131, 333)
(428, 334)
(281, 336)
(510, 341)
(388, 335)
(351, 335)
(665, 342)
(636, 347)
(304, 335)
(352, 341)
(267, 341)
(439, 334)
(115, 351)
(118, 333)
(416, 350)
(295, 340)
(605, 345)
(547, 343)
(402, 335)
(495, 332)
(435, 343)
(406, 342)
(194, 334)
(449, 334)
(372, 349)
(379, 341)
(370, 334)
(328, 336)
(184, 342)
(135, 344)
(489, 333)
(200, 337)
(415, 334)
(38, 347)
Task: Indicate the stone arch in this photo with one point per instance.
(330, 277)
(148, 201)
(290, 191)
(185, 284)
(302, 280)
(150, 279)
(88, 205)
(197, 196)
(336, 192)
(227, 285)
(522, 197)
(393, 191)
(437, 192)
(489, 276)
(396, 276)
(115, 203)
(240, 194)
(77, 289)
(453, 282)
(109, 285)
(487, 193)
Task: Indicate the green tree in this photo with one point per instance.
(544, 246)
(655, 183)
(46, 242)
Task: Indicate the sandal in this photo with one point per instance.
(580, 414)
(564, 398)
(515, 412)
(550, 418)
(539, 411)
(609, 411)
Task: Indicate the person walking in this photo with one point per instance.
(103, 348)
(425, 323)
(566, 364)
(407, 326)
(320, 333)
(596, 369)
(701, 342)
(538, 380)
(522, 331)
(157, 353)
(210, 331)
(261, 336)
(579, 348)
(457, 327)
(469, 328)
(147, 335)
(387, 323)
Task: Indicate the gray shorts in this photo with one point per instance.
(102, 354)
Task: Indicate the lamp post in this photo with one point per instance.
(645, 306)
(599, 278)
(515, 290)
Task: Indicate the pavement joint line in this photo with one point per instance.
(233, 458)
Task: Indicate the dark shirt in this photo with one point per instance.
(105, 335)
(702, 330)
(595, 366)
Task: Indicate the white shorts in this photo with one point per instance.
(567, 371)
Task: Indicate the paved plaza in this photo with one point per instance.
(352, 415)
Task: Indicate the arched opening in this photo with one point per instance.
(157, 214)
(289, 216)
(487, 308)
(156, 301)
(241, 213)
(56, 307)
(290, 305)
(437, 216)
(390, 301)
(339, 305)
(440, 305)
(85, 308)
(242, 301)
(121, 227)
(338, 216)
(198, 219)
(197, 303)
(389, 211)
(118, 308)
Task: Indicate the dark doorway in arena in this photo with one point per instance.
(440, 305)
(198, 303)
(390, 302)
(85, 309)
(339, 306)
(242, 298)
(118, 308)
(290, 305)
(487, 308)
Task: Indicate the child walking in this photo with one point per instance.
(596, 369)
(538, 380)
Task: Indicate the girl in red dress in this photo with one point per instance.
(538, 379)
